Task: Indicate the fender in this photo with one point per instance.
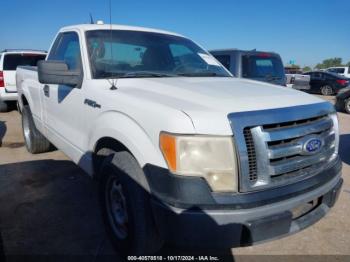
(128, 132)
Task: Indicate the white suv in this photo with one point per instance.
(9, 60)
(341, 70)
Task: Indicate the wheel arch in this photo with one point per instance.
(115, 131)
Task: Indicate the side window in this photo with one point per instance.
(317, 75)
(340, 70)
(66, 48)
(224, 60)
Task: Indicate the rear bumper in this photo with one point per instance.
(242, 225)
(7, 96)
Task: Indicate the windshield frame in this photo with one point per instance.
(153, 74)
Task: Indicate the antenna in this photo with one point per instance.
(91, 19)
(114, 81)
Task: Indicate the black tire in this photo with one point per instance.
(327, 90)
(35, 142)
(347, 105)
(131, 226)
(3, 106)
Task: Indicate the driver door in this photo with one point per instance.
(64, 105)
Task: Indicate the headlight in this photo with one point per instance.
(210, 157)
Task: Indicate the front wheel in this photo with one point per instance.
(126, 206)
(327, 90)
(347, 105)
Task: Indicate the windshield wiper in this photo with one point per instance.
(137, 74)
(199, 74)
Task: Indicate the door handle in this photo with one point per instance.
(46, 90)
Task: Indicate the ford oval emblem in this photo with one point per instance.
(313, 145)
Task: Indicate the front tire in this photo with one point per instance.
(126, 206)
(327, 90)
(35, 142)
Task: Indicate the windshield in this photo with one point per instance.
(123, 53)
(256, 66)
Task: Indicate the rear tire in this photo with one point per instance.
(327, 90)
(3, 106)
(347, 105)
(35, 142)
(126, 206)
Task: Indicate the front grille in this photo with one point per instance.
(275, 151)
(271, 144)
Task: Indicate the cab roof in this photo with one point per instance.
(89, 27)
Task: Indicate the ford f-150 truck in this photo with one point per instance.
(184, 152)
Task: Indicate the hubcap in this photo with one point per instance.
(116, 208)
(327, 90)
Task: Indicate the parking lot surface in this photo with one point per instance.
(48, 206)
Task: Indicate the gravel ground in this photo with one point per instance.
(48, 206)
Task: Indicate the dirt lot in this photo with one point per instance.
(49, 206)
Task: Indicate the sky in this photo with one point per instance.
(304, 31)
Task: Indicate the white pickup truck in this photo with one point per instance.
(184, 152)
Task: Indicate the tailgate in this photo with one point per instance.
(10, 81)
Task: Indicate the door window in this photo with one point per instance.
(67, 48)
(317, 76)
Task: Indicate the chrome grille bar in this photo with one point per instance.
(291, 164)
(295, 147)
(298, 130)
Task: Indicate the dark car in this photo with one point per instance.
(255, 65)
(326, 83)
(343, 100)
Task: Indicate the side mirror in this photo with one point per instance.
(57, 72)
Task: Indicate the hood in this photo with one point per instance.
(208, 100)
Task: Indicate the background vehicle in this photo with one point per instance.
(341, 70)
(296, 79)
(256, 65)
(343, 100)
(9, 60)
(326, 83)
(177, 144)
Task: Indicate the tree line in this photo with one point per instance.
(330, 62)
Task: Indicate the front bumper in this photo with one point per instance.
(233, 225)
(7, 96)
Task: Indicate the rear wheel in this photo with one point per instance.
(34, 140)
(327, 90)
(126, 206)
(347, 105)
(3, 106)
